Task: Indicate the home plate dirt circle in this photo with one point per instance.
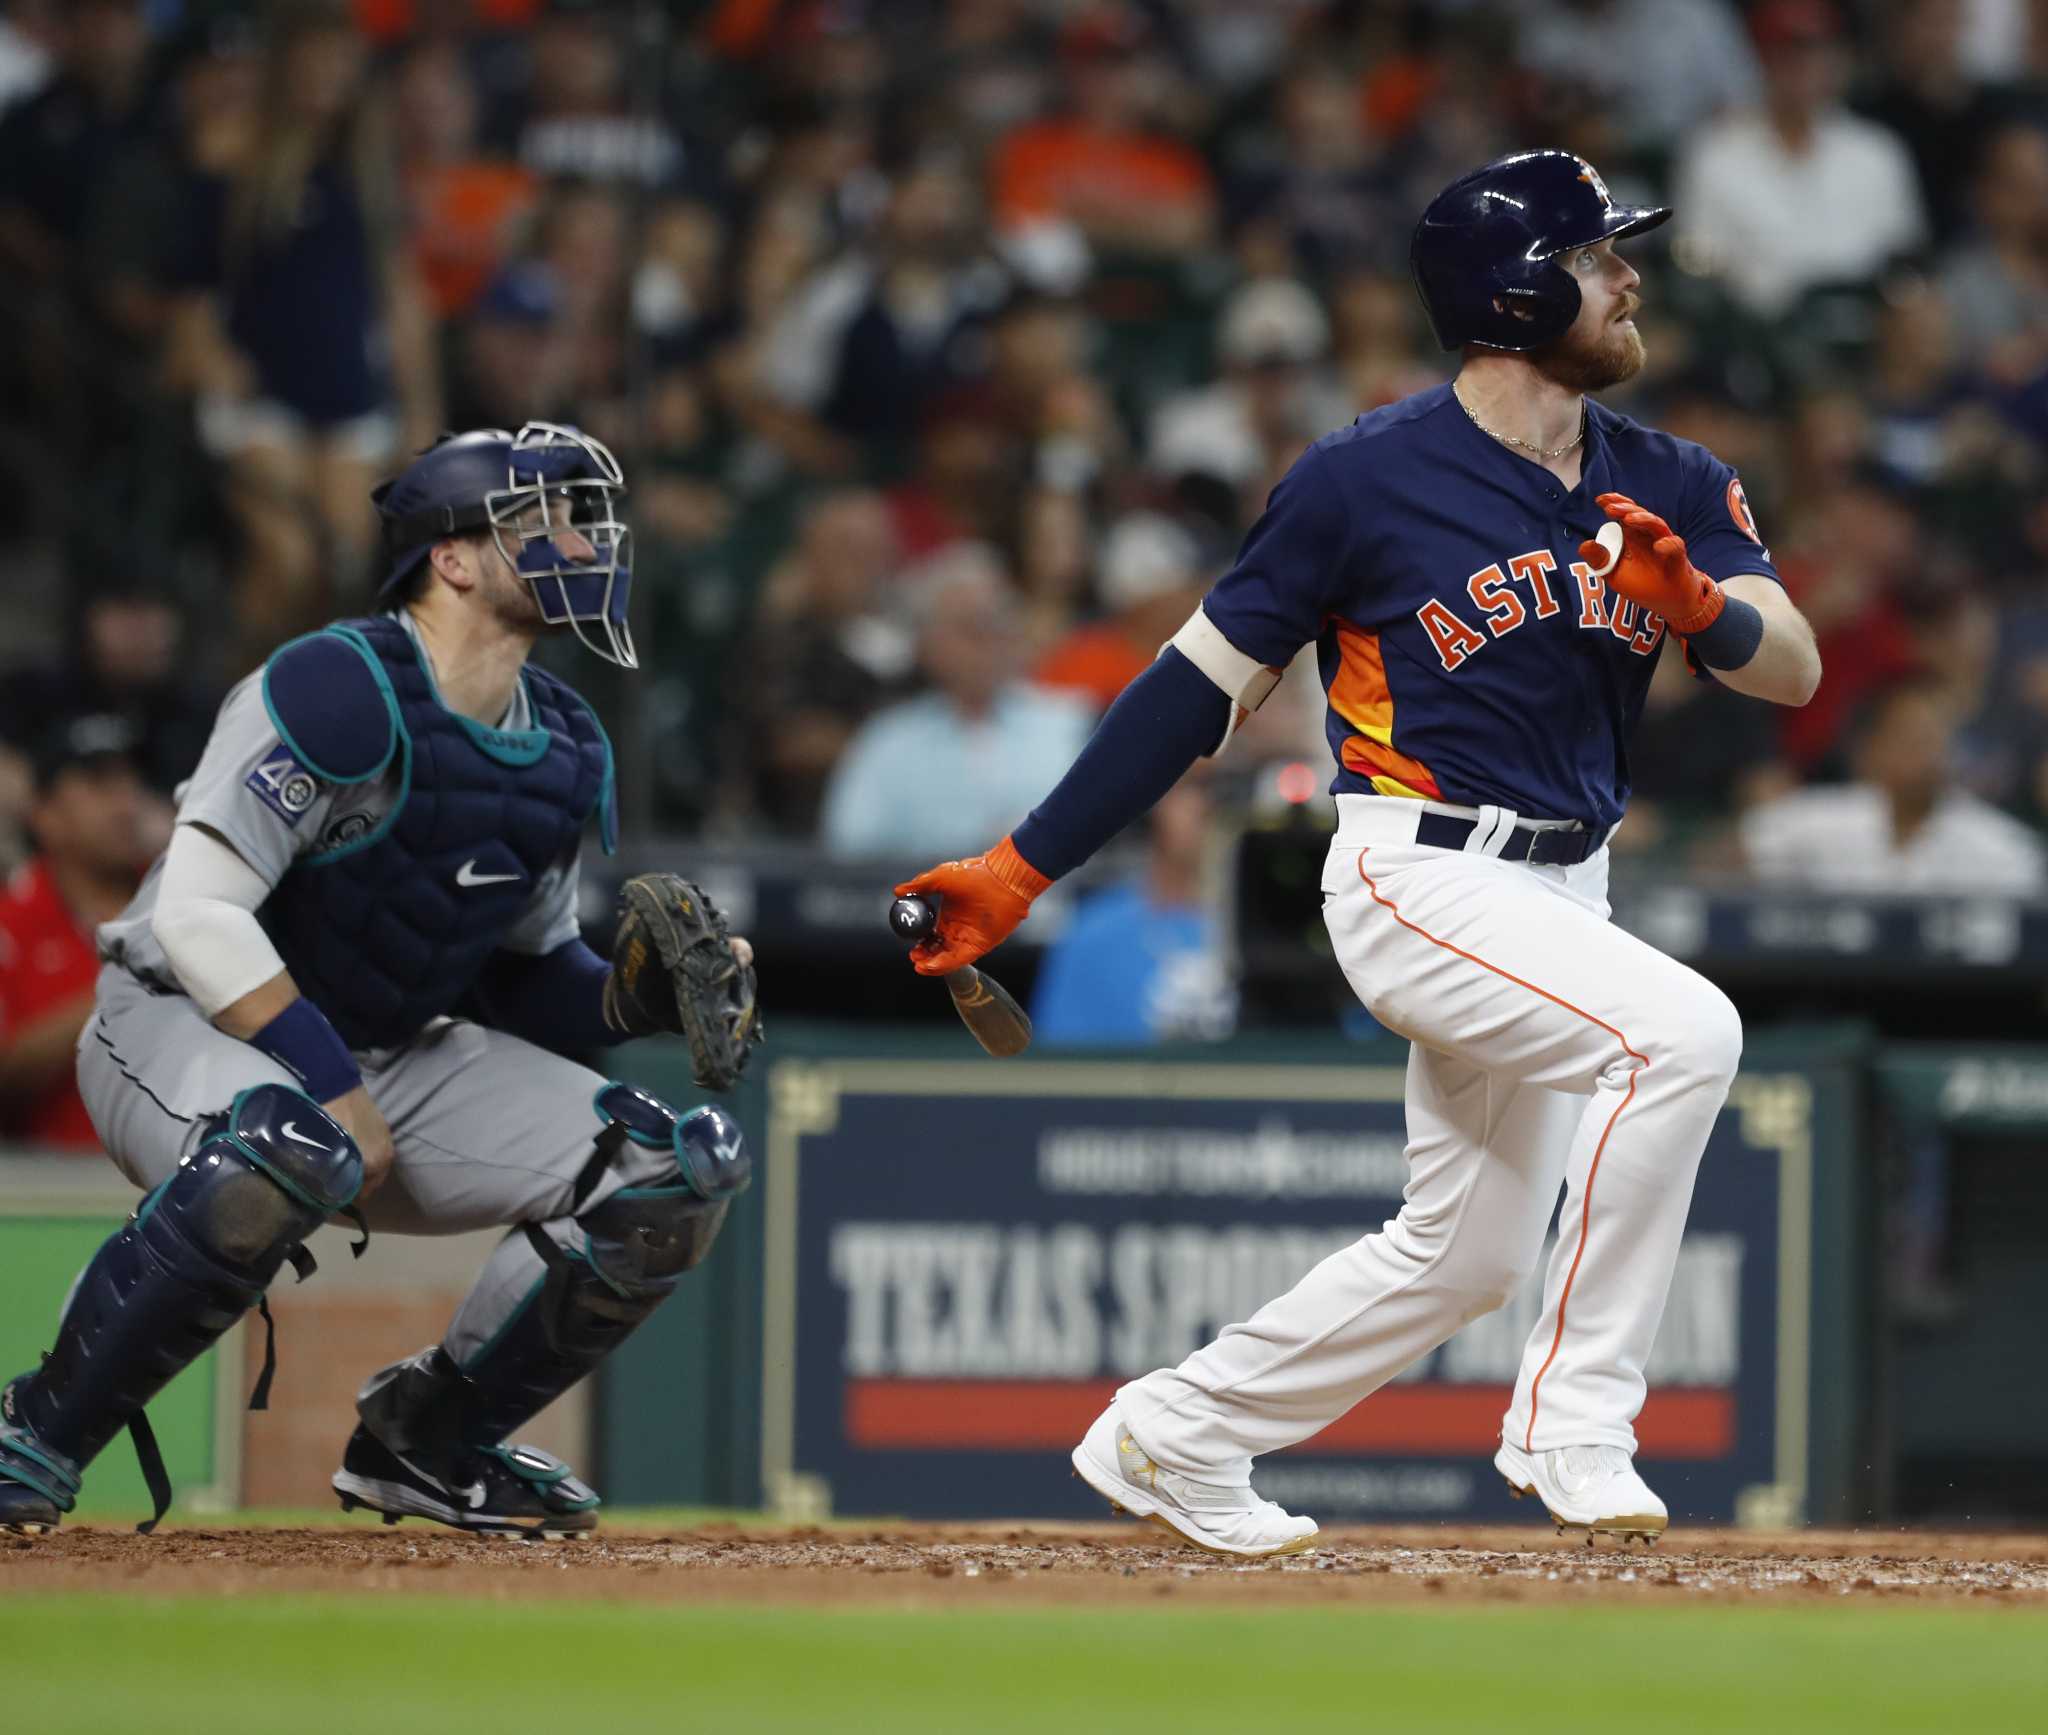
(1019, 1563)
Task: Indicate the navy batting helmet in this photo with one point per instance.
(527, 489)
(1485, 253)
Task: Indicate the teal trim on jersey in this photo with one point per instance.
(363, 649)
(511, 1319)
(517, 748)
(638, 1138)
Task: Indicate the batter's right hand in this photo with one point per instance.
(363, 1121)
(981, 901)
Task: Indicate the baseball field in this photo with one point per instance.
(299, 1623)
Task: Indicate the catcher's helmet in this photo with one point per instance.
(525, 489)
(1493, 236)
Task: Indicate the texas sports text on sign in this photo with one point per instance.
(979, 1265)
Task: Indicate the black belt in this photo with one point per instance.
(1552, 848)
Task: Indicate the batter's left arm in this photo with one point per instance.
(1786, 666)
(1744, 629)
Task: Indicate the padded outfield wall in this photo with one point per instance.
(947, 1264)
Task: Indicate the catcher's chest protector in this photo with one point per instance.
(386, 930)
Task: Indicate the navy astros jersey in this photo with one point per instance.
(1468, 654)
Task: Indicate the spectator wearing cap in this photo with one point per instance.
(1798, 192)
(548, 334)
(1107, 166)
(126, 655)
(1148, 581)
(1272, 337)
(87, 821)
(942, 773)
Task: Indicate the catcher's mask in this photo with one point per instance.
(527, 489)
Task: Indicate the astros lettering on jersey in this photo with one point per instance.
(1439, 574)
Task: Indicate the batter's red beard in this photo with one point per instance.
(1579, 366)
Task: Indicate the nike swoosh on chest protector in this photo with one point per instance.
(466, 875)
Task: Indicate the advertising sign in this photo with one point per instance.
(966, 1259)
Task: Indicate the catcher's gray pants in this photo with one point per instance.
(487, 1129)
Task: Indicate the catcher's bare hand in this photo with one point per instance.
(361, 1119)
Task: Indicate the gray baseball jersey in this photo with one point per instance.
(249, 791)
(487, 1128)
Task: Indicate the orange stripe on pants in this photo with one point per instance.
(1593, 1170)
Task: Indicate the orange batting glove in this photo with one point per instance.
(1648, 565)
(981, 901)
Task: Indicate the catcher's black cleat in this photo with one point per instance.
(488, 1490)
(38, 1484)
(26, 1512)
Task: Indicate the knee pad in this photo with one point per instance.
(637, 1243)
(263, 1177)
(198, 1254)
(641, 1239)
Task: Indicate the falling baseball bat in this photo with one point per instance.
(999, 1024)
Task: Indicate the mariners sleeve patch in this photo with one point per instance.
(283, 785)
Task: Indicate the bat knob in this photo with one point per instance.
(913, 919)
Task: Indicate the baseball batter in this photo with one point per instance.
(1489, 570)
(348, 986)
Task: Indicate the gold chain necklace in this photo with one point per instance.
(1525, 445)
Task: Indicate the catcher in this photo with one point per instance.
(349, 987)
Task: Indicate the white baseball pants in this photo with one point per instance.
(1549, 1047)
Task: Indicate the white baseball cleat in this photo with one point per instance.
(1229, 1521)
(1590, 1488)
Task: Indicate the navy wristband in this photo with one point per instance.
(1733, 638)
(1164, 721)
(301, 1041)
(555, 999)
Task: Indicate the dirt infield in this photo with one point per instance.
(903, 1564)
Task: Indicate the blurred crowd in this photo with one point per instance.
(952, 345)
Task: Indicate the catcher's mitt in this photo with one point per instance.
(674, 969)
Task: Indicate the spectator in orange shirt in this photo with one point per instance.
(87, 820)
(463, 209)
(1149, 583)
(1106, 166)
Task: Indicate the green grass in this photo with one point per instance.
(432, 1666)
